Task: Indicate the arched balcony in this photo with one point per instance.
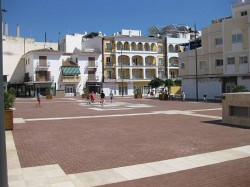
(146, 47)
(171, 48)
(177, 48)
(119, 45)
(173, 62)
(140, 46)
(153, 47)
(137, 61)
(150, 61)
(126, 46)
(124, 60)
(134, 46)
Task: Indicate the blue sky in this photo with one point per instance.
(35, 17)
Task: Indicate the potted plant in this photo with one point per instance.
(49, 93)
(138, 94)
(155, 83)
(9, 99)
(85, 93)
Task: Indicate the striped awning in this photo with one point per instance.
(68, 71)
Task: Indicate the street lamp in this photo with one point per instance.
(121, 68)
(196, 65)
(3, 159)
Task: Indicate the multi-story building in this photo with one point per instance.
(130, 62)
(173, 37)
(223, 59)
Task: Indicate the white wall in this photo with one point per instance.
(93, 43)
(13, 49)
(72, 42)
(206, 86)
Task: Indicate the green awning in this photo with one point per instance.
(68, 71)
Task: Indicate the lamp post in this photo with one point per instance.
(3, 158)
(196, 65)
(121, 68)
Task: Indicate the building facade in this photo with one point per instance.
(130, 62)
(223, 60)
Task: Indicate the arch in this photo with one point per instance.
(137, 60)
(173, 62)
(126, 46)
(171, 48)
(119, 45)
(153, 47)
(146, 47)
(125, 59)
(140, 46)
(150, 61)
(134, 46)
(176, 48)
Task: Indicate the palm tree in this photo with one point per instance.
(168, 83)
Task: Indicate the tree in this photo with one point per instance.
(168, 83)
(239, 88)
(156, 82)
(177, 82)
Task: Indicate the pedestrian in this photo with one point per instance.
(183, 95)
(92, 97)
(38, 97)
(111, 95)
(102, 98)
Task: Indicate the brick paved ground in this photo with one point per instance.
(80, 145)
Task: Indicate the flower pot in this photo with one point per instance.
(8, 119)
(84, 96)
(49, 96)
(138, 96)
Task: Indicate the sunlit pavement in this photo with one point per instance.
(130, 142)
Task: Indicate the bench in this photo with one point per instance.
(217, 98)
(176, 97)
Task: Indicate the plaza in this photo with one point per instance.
(130, 142)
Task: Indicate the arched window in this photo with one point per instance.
(171, 48)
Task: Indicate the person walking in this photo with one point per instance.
(38, 97)
(183, 95)
(92, 97)
(102, 98)
(111, 95)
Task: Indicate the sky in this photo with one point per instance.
(35, 17)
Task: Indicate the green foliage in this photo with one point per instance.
(177, 82)
(48, 90)
(85, 90)
(156, 82)
(138, 91)
(9, 100)
(168, 83)
(239, 88)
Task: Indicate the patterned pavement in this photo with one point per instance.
(80, 138)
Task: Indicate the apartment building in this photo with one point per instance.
(223, 59)
(130, 62)
(173, 36)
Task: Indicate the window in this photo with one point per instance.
(160, 61)
(109, 73)
(76, 60)
(231, 60)
(236, 38)
(108, 46)
(218, 41)
(243, 60)
(108, 61)
(219, 62)
(244, 13)
(182, 65)
(160, 48)
(203, 65)
(135, 62)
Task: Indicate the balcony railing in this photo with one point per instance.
(71, 78)
(92, 65)
(43, 64)
(123, 64)
(43, 79)
(149, 64)
(174, 65)
(92, 78)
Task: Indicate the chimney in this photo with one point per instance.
(17, 30)
(6, 29)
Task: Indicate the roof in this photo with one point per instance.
(45, 50)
